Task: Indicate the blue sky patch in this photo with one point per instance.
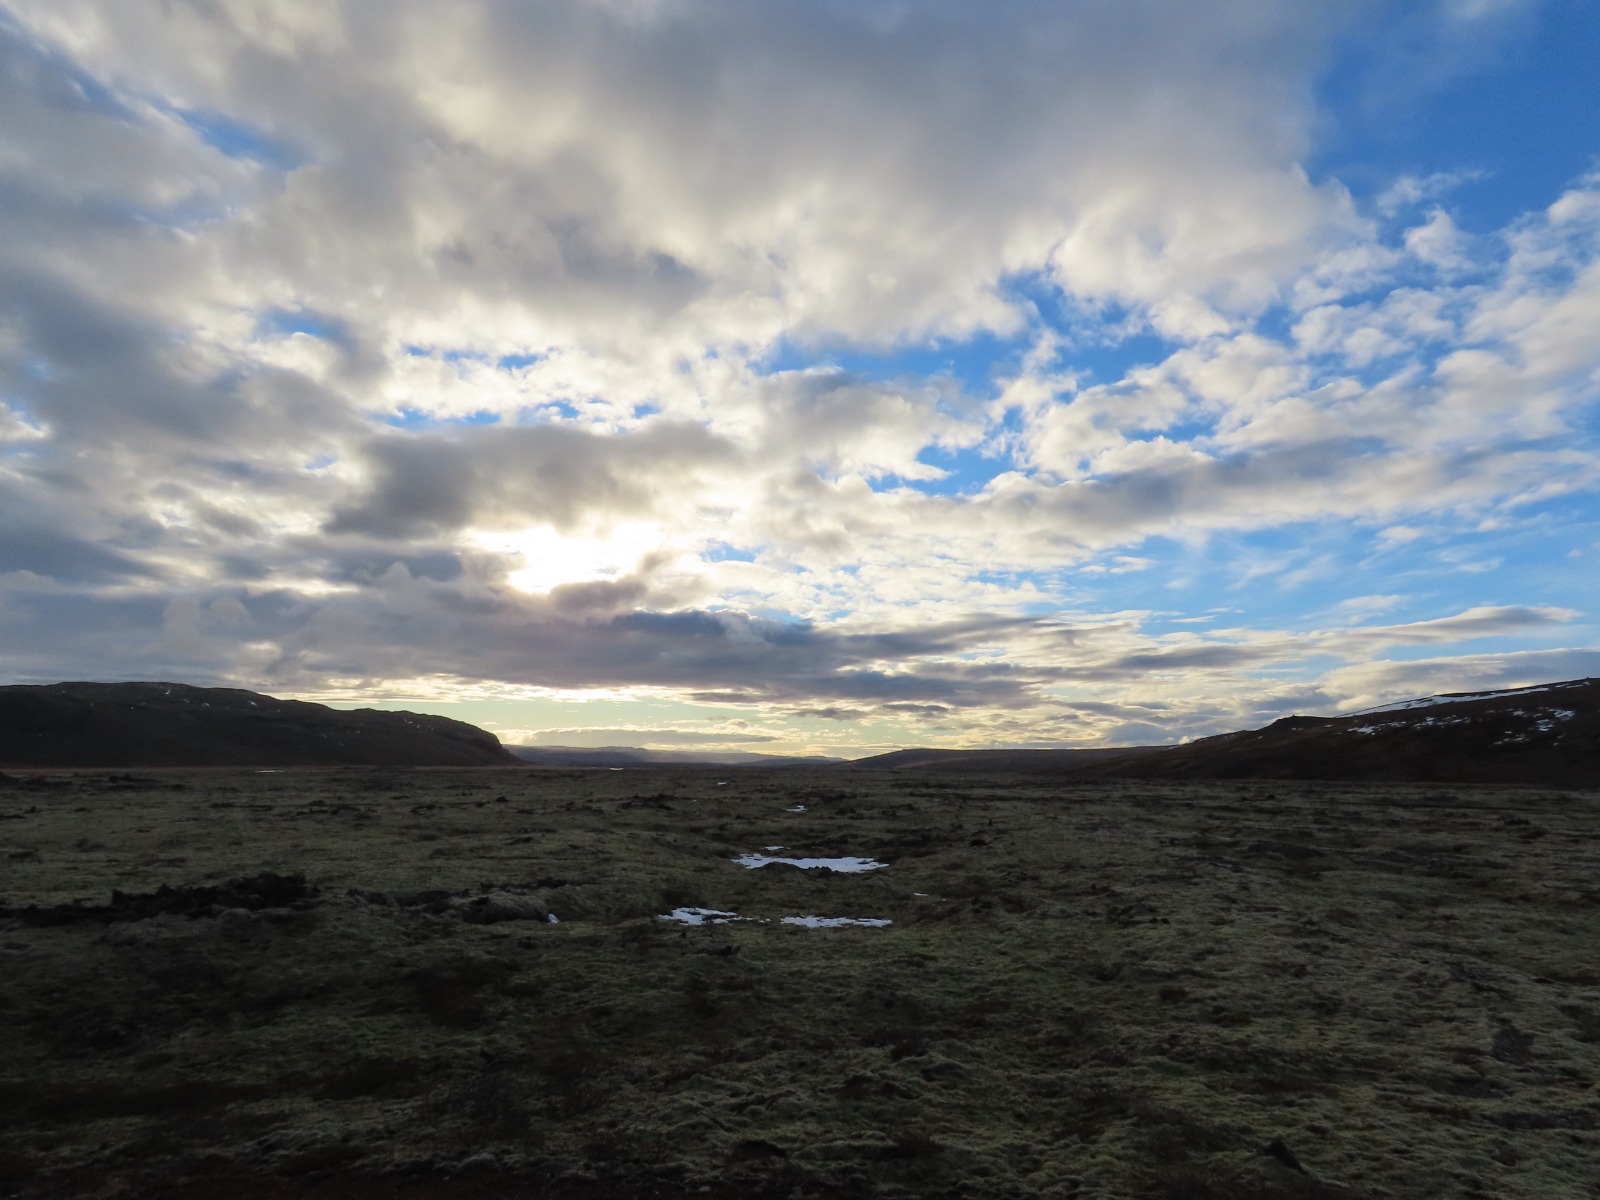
(237, 139)
(1509, 104)
(416, 420)
(286, 322)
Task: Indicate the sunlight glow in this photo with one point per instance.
(551, 559)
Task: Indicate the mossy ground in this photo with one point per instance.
(1124, 990)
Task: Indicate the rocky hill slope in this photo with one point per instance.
(1548, 734)
(175, 725)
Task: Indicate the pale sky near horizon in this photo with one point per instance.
(818, 376)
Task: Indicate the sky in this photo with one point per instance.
(825, 376)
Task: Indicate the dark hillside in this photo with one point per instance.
(1545, 735)
(1548, 735)
(175, 725)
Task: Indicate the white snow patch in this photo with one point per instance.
(1425, 723)
(1552, 718)
(847, 865)
(1433, 701)
(700, 916)
(796, 808)
(836, 922)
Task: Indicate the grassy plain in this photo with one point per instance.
(1118, 990)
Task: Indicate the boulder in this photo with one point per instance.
(493, 907)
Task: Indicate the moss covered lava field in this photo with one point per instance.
(543, 983)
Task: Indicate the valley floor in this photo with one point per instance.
(348, 983)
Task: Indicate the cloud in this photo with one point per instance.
(1409, 190)
(840, 425)
(1438, 242)
(503, 477)
(575, 173)
(833, 359)
(56, 554)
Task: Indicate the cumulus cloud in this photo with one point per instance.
(770, 355)
(588, 171)
(542, 474)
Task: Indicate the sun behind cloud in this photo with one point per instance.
(551, 558)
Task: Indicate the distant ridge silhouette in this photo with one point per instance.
(176, 725)
(1548, 734)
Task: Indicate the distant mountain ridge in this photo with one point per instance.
(1547, 734)
(177, 725)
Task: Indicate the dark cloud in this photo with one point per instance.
(830, 712)
(57, 555)
(919, 710)
(402, 626)
(1209, 491)
(95, 371)
(1188, 659)
(441, 566)
(48, 80)
(680, 627)
(427, 484)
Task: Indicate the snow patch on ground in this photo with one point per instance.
(1537, 720)
(1555, 716)
(1464, 697)
(716, 916)
(1425, 723)
(700, 916)
(1434, 702)
(1544, 720)
(847, 865)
